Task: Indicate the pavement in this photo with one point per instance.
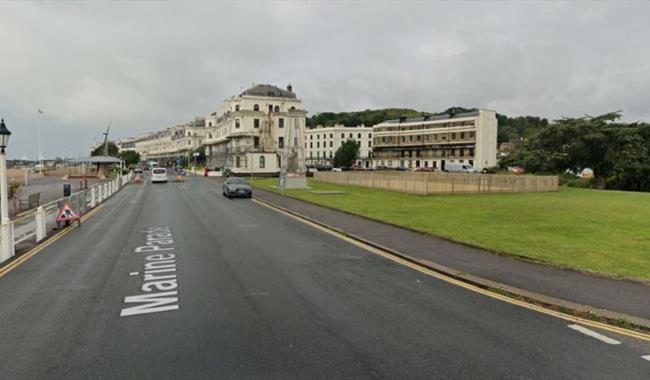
(51, 188)
(596, 292)
(238, 290)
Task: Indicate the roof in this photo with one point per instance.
(268, 90)
(98, 160)
(433, 117)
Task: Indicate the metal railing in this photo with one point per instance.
(32, 224)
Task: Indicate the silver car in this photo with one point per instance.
(237, 187)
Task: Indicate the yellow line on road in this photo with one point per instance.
(14, 264)
(468, 286)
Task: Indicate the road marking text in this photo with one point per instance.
(160, 282)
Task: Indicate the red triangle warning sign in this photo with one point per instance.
(66, 213)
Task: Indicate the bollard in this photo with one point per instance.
(40, 224)
(92, 197)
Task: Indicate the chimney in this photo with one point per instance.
(289, 87)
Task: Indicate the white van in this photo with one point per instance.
(158, 175)
(460, 168)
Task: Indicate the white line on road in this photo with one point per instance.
(646, 357)
(134, 273)
(594, 334)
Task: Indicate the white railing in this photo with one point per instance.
(33, 224)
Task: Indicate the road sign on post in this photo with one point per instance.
(67, 213)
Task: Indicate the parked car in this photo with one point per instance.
(137, 171)
(337, 169)
(460, 168)
(427, 169)
(158, 175)
(402, 169)
(237, 187)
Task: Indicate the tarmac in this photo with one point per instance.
(608, 297)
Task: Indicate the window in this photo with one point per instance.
(350, 135)
(453, 136)
(331, 143)
(342, 135)
(209, 124)
(331, 135)
(317, 144)
(311, 144)
(311, 137)
(281, 123)
(256, 142)
(369, 143)
(359, 135)
(262, 162)
(369, 135)
(462, 135)
(256, 107)
(471, 152)
(403, 139)
(237, 108)
(209, 135)
(237, 162)
(280, 142)
(256, 123)
(270, 108)
(330, 154)
(237, 124)
(324, 136)
(276, 109)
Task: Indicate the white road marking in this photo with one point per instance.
(646, 357)
(594, 334)
(134, 273)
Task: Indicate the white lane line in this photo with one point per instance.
(646, 357)
(134, 273)
(594, 334)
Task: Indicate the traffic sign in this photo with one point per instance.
(67, 213)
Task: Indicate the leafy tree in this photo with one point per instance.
(129, 157)
(346, 154)
(573, 144)
(113, 150)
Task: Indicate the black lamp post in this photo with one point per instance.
(4, 136)
(6, 238)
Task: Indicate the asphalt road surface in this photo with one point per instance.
(175, 281)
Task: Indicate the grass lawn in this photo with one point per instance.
(601, 231)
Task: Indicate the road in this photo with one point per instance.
(251, 293)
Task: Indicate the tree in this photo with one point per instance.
(346, 154)
(129, 157)
(573, 144)
(113, 150)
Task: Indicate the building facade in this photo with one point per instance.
(432, 142)
(171, 144)
(254, 131)
(321, 144)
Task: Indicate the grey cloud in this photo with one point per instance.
(152, 65)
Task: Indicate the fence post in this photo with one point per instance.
(40, 224)
(92, 197)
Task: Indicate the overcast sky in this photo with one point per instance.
(153, 65)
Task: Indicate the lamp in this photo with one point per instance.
(4, 135)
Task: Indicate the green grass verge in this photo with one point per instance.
(600, 231)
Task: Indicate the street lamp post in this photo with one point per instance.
(6, 240)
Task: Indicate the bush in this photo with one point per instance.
(570, 180)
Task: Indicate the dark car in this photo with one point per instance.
(237, 187)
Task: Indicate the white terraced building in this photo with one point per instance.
(321, 144)
(433, 142)
(252, 132)
(170, 144)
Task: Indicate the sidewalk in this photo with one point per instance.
(51, 188)
(609, 295)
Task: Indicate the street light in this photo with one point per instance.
(6, 240)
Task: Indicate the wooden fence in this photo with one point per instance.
(442, 183)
